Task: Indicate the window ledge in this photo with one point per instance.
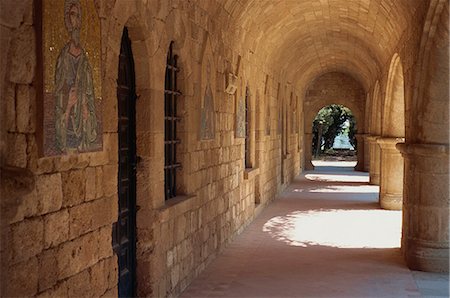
(177, 206)
(250, 173)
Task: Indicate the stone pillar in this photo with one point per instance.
(375, 160)
(425, 235)
(366, 153)
(391, 178)
(360, 152)
(308, 151)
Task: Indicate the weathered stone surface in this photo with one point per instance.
(28, 239)
(99, 182)
(99, 274)
(109, 180)
(79, 285)
(73, 186)
(60, 290)
(48, 269)
(12, 13)
(91, 216)
(9, 96)
(17, 150)
(104, 236)
(91, 181)
(49, 193)
(23, 56)
(56, 228)
(28, 207)
(25, 107)
(23, 279)
(65, 162)
(5, 40)
(77, 255)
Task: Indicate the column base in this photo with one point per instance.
(374, 179)
(391, 201)
(309, 166)
(375, 160)
(425, 257)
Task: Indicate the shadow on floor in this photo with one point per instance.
(324, 236)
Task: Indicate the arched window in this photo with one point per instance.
(171, 94)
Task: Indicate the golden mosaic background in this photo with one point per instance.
(55, 36)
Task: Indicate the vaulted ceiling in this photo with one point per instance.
(307, 38)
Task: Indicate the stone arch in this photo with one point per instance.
(332, 88)
(434, 104)
(369, 99)
(427, 61)
(352, 108)
(394, 103)
(392, 132)
(129, 16)
(375, 132)
(375, 114)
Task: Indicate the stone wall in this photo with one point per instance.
(57, 212)
(56, 238)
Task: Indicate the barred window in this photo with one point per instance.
(171, 94)
(248, 163)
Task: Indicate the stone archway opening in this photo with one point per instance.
(334, 135)
(392, 133)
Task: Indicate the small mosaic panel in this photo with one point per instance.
(240, 117)
(72, 87)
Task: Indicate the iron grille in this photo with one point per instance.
(170, 125)
(247, 131)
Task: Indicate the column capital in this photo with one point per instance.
(435, 150)
(373, 138)
(389, 143)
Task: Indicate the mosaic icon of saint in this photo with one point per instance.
(76, 121)
(207, 116)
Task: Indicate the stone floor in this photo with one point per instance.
(325, 236)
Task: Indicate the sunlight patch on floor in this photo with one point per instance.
(329, 163)
(338, 228)
(341, 189)
(337, 178)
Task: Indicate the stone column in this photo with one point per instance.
(375, 160)
(360, 152)
(391, 178)
(308, 151)
(366, 153)
(425, 235)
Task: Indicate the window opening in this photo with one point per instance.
(247, 130)
(170, 125)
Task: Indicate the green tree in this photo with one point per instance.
(332, 119)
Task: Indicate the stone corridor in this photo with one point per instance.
(140, 138)
(324, 236)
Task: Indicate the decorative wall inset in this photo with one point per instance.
(240, 117)
(208, 81)
(72, 87)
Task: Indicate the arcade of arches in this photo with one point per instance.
(267, 67)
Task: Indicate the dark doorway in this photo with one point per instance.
(124, 234)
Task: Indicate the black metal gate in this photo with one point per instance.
(124, 232)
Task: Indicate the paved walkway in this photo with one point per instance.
(325, 236)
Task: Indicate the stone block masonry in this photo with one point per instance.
(57, 212)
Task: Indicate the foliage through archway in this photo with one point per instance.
(329, 123)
